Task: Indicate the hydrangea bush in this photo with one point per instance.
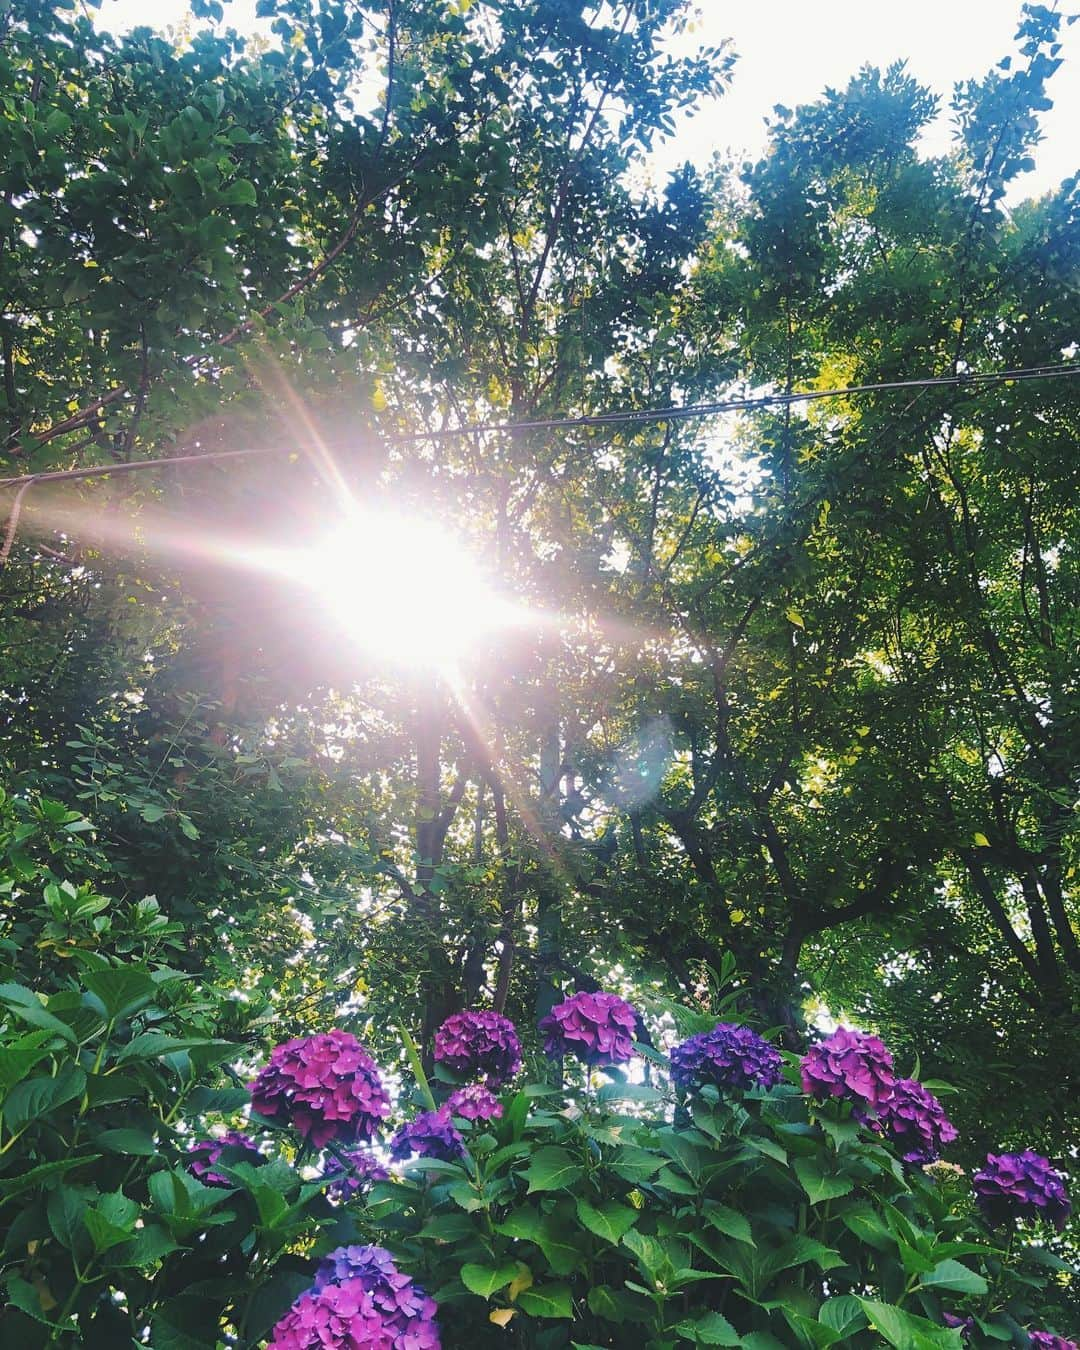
(740, 1198)
(724, 1194)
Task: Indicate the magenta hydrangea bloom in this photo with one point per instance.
(326, 1087)
(1021, 1185)
(1046, 1340)
(204, 1153)
(430, 1135)
(479, 1044)
(474, 1102)
(349, 1316)
(849, 1064)
(352, 1172)
(916, 1121)
(729, 1056)
(598, 1028)
(965, 1325)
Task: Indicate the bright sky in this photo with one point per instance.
(790, 50)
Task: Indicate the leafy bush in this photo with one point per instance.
(746, 1199)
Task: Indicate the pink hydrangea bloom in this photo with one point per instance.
(326, 1087)
(916, 1121)
(360, 1301)
(353, 1171)
(203, 1153)
(1046, 1340)
(849, 1064)
(1021, 1185)
(598, 1028)
(474, 1102)
(348, 1316)
(431, 1134)
(481, 1044)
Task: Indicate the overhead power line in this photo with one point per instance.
(627, 417)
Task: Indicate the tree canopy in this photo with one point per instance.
(799, 695)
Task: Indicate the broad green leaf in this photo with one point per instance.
(608, 1220)
(552, 1169)
(34, 1098)
(950, 1274)
(709, 1329)
(905, 1331)
(547, 1300)
(487, 1280)
(818, 1185)
(729, 1221)
(121, 989)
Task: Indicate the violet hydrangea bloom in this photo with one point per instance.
(349, 1316)
(1046, 1340)
(965, 1325)
(430, 1135)
(480, 1044)
(204, 1153)
(729, 1056)
(849, 1064)
(598, 1028)
(326, 1087)
(474, 1102)
(916, 1121)
(353, 1171)
(1022, 1185)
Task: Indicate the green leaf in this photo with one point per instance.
(950, 1274)
(134, 1143)
(240, 193)
(28, 1008)
(552, 1169)
(729, 1221)
(36, 1097)
(547, 1300)
(121, 989)
(487, 1280)
(905, 1331)
(12, 1186)
(635, 1165)
(818, 1185)
(709, 1329)
(271, 1300)
(842, 1313)
(608, 1220)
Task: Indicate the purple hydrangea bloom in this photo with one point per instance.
(598, 1028)
(326, 1086)
(474, 1102)
(849, 1064)
(729, 1056)
(480, 1044)
(965, 1325)
(1021, 1185)
(916, 1121)
(203, 1153)
(1046, 1340)
(430, 1135)
(350, 1316)
(352, 1172)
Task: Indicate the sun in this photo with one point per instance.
(404, 591)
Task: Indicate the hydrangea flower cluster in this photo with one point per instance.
(430, 1134)
(849, 1064)
(352, 1172)
(1046, 1340)
(204, 1153)
(965, 1325)
(474, 1102)
(729, 1056)
(326, 1086)
(916, 1121)
(480, 1044)
(598, 1028)
(1021, 1185)
(360, 1301)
